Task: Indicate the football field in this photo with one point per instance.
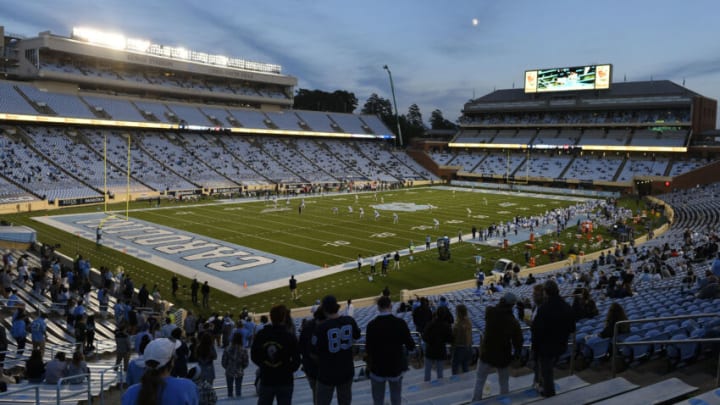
(330, 230)
(247, 249)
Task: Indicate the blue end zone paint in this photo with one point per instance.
(189, 254)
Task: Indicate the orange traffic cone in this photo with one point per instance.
(245, 284)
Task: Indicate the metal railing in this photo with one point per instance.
(616, 344)
(10, 393)
(62, 383)
(118, 368)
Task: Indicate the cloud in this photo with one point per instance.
(695, 68)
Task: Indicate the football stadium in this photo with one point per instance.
(152, 190)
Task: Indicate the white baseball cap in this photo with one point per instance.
(160, 350)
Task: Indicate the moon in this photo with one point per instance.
(475, 22)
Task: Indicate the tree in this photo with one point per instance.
(377, 105)
(437, 121)
(412, 124)
(318, 100)
(414, 116)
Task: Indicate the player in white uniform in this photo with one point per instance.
(377, 215)
(436, 224)
(469, 212)
(396, 219)
(362, 213)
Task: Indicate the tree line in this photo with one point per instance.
(341, 101)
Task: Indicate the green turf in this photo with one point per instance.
(320, 237)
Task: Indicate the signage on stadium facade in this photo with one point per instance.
(79, 201)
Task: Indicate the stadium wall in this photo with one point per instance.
(25, 206)
(704, 114)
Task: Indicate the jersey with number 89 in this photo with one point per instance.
(332, 341)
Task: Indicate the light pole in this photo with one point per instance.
(397, 119)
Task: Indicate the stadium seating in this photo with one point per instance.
(46, 179)
(83, 163)
(592, 167)
(11, 101)
(643, 167)
(144, 166)
(182, 161)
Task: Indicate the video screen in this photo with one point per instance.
(591, 77)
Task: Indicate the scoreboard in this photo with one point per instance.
(590, 77)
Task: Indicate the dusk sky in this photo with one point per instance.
(438, 58)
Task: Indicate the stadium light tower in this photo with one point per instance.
(397, 119)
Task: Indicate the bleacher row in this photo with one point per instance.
(35, 162)
(571, 137)
(588, 166)
(669, 116)
(23, 98)
(148, 76)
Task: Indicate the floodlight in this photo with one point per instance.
(111, 40)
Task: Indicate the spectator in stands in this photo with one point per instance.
(89, 334)
(19, 329)
(167, 328)
(34, 367)
(502, 342)
(56, 368)
(182, 353)
(716, 266)
(309, 362)
(122, 345)
(387, 342)
(80, 331)
(13, 300)
(38, 330)
(275, 352)
(437, 335)
(615, 314)
(190, 324)
(583, 305)
(235, 360)
(710, 288)
(205, 355)
(103, 296)
(551, 328)
(227, 327)
(335, 356)
(157, 387)
(143, 296)
(77, 367)
(206, 392)
(422, 315)
(136, 367)
(462, 341)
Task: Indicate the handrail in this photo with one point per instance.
(35, 387)
(118, 377)
(615, 343)
(61, 382)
